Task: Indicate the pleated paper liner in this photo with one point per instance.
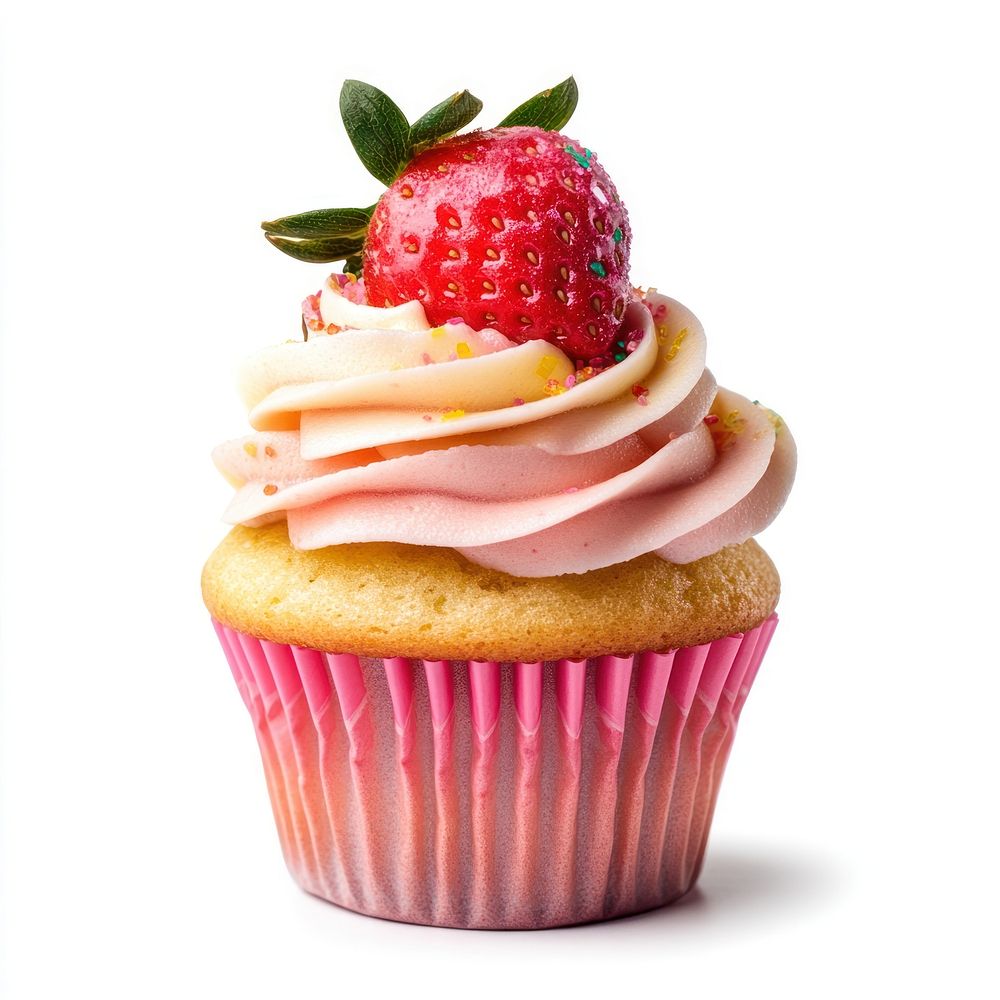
(514, 795)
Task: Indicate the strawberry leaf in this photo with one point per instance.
(444, 119)
(318, 251)
(378, 130)
(550, 110)
(322, 222)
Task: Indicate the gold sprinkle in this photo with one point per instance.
(564, 235)
(492, 254)
(546, 366)
(733, 422)
(453, 222)
(270, 490)
(489, 286)
(250, 448)
(561, 296)
(453, 253)
(524, 289)
(532, 256)
(497, 224)
(406, 191)
(463, 350)
(269, 451)
(564, 272)
(452, 414)
(676, 345)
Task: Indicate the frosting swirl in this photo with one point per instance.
(390, 430)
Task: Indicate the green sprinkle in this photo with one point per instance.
(582, 158)
(598, 268)
(617, 235)
(620, 357)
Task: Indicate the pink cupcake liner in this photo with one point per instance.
(495, 795)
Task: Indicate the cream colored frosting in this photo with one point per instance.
(386, 429)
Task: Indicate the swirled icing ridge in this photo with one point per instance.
(389, 430)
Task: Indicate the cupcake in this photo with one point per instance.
(491, 596)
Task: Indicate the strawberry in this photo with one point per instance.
(516, 228)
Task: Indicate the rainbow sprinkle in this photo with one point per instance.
(463, 350)
(452, 414)
(250, 448)
(582, 158)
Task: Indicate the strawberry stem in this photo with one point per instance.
(550, 110)
(378, 130)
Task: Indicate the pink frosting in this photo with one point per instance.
(380, 428)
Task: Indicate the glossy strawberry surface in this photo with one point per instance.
(518, 229)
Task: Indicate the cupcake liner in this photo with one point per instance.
(495, 795)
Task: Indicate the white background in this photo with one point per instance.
(817, 181)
